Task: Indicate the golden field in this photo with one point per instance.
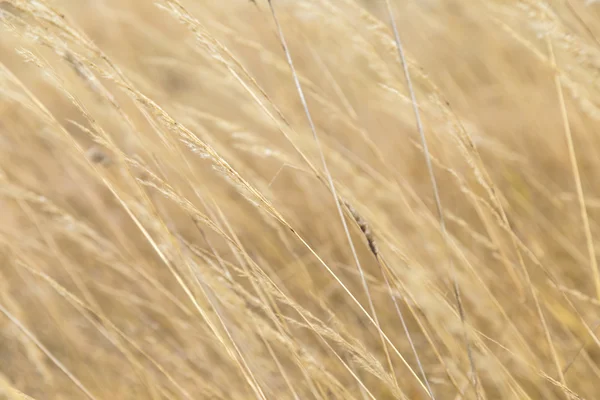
(235, 199)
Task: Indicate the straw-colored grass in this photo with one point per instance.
(350, 199)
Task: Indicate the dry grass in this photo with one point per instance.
(228, 199)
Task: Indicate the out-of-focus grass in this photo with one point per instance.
(169, 230)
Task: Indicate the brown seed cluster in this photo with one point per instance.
(364, 227)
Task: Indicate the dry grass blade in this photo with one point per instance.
(438, 202)
(576, 175)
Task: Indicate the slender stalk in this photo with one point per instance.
(436, 195)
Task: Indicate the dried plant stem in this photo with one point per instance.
(436, 194)
(580, 196)
(576, 176)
